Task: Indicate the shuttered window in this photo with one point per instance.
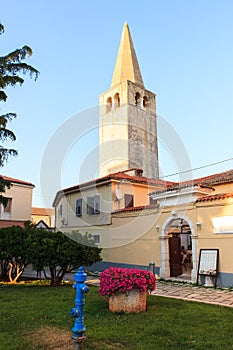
(79, 207)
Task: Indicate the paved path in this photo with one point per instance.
(187, 291)
(191, 292)
(183, 291)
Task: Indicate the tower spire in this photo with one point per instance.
(126, 67)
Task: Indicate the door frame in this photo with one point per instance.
(164, 245)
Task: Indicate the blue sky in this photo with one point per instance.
(185, 53)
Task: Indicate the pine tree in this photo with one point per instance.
(12, 68)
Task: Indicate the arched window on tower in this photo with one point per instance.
(117, 100)
(109, 104)
(137, 99)
(145, 101)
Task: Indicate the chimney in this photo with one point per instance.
(138, 172)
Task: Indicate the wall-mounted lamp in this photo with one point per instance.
(157, 227)
(198, 224)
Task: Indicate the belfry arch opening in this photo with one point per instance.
(178, 232)
(145, 101)
(117, 100)
(137, 99)
(109, 104)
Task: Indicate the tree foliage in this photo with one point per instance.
(45, 250)
(12, 70)
(4, 184)
(61, 254)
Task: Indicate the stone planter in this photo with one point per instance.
(131, 301)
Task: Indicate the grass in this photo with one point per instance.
(37, 317)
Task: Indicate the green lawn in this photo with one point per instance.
(37, 317)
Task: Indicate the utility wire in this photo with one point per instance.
(201, 167)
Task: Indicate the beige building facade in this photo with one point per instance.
(18, 209)
(94, 206)
(197, 216)
(43, 217)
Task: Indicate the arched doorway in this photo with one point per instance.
(178, 249)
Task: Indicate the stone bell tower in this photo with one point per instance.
(127, 118)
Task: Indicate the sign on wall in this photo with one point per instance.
(223, 224)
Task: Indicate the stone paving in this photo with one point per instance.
(191, 292)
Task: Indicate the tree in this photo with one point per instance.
(61, 254)
(44, 249)
(4, 184)
(12, 67)
(15, 251)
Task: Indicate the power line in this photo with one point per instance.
(201, 167)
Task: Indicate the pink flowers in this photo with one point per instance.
(122, 280)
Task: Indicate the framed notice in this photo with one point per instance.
(208, 264)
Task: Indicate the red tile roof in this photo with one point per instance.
(139, 208)
(224, 177)
(43, 211)
(120, 175)
(204, 182)
(215, 197)
(11, 179)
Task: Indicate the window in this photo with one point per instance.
(137, 99)
(145, 101)
(7, 209)
(60, 211)
(93, 205)
(79, 207)
(90, 205)
(96, 239)
(129, 201)
(116, 100)
(109, 104)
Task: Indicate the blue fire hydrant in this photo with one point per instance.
(77, 312)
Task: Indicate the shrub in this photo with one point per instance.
(114, 280)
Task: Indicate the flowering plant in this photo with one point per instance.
(122, 280)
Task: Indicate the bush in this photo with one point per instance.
(114, 280)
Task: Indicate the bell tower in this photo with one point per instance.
(127, 118)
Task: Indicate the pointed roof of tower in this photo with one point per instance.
(126, 67)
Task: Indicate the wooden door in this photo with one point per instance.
(175, 258)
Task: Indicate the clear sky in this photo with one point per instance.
(185, 52)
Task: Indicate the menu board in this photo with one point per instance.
(208, 262)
